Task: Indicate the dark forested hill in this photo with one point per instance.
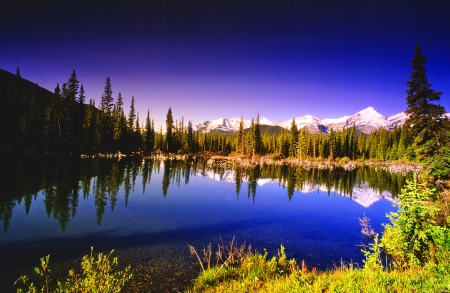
(12, 83)
(23, 111)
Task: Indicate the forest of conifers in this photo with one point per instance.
(37, 121)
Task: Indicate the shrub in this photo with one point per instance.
(97, 276)
(413, 236)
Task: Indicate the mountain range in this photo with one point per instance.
(365, 121)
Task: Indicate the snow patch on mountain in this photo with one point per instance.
(368, 118)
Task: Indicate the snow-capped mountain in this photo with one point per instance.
(228, 125)
(365, 121)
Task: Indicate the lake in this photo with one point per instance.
(150, 211)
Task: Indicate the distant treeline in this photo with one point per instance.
(37, 121)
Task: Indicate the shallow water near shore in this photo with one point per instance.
(150, 211)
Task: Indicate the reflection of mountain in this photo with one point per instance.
(362, 194)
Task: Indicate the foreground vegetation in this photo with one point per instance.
(97, 276)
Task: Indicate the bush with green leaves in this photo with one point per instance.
(98, 276)
(414, 238)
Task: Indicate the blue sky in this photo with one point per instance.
(212, 59)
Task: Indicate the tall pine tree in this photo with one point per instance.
(426, 119)
(169, 131)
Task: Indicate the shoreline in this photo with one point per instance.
(268, 160)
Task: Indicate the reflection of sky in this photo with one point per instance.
(210, 60)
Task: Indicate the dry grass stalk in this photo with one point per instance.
(231, 254)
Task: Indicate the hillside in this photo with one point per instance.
(10, 82)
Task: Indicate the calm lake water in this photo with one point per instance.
(149, 211)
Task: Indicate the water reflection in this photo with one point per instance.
(63, 181)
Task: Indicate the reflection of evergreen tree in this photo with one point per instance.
(127, 184)
(6, 211)
(253, 176)
(134, 173)
(100, 198)
(146, 173)
(238, 180)
(50, 195)
(61, 208)
(187, 171)
(166, 177)
(291, 182)
(28, 198)
(74, 199)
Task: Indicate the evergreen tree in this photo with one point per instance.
(332, 144)
(302, 144)
(149, 135)
(137, 137)
(169, 131)
(18, 71)
(79, 118)
(120, 123)
(107, 101)
(293, 139)
(426, 119)
(131, 115)
(241, 137)
(53, 121)
(189, 139)
(106, 126)
(73, 87)
(258, 139)
(250, 139)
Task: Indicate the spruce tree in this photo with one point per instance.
(258, 139)
(250, 138)
(302, 144)
(190, 138)
(73, 87)
(169, 131)
(426, 119)
(149, 135)
(106, 126)
(131, 115)
(293, 139)
(241, 137)
(107, 98)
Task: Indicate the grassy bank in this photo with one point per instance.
(256, 273)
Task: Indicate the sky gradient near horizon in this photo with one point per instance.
(224, 59)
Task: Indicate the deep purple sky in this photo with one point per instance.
(209, 60)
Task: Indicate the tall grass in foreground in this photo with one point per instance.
(258, 273)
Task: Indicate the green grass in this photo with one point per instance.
(258, 274)
(240, 269)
